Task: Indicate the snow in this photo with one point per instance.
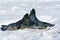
(31, 34)
(46, 10)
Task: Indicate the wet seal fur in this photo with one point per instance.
(28, 21)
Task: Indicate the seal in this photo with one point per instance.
(28, 21)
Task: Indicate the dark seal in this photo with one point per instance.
(28, 21)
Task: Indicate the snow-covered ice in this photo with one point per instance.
(46, 10)
(31, 34)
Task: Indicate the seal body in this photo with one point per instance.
(28, 21)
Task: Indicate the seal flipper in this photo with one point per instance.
(33, 15)
(4, 27)
(25, 16)
(24, 20)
